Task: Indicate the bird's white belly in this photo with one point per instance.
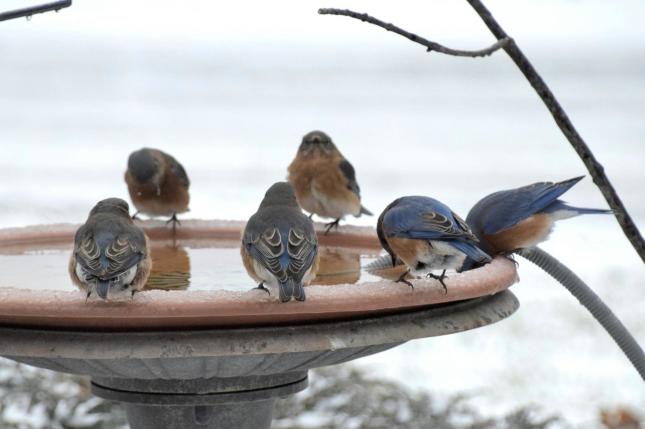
(265, 275)
(441, 256)
(336, 208)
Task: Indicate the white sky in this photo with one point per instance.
(546, 21)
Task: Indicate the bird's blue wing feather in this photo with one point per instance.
(471, 250)
(424, 218)
(504, 209)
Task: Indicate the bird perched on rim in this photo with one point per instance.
(324, 181)
(158, 184)
(426, 235)
(111, 254)
(519, 218)
(279, 244)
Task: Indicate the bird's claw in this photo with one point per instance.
(440, 278)
(175, 222)
(330, 225)
(262, 287)
(402, 279)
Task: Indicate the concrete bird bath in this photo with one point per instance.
(207, 352)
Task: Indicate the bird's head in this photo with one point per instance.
(317, 142)
(380, 232)
(113, 206)
(145, 166)
(280, 194)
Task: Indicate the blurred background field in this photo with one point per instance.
(230, 90)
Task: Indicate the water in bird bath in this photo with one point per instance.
(194, 265)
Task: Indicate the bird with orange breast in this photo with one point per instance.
(519, 218)
(111, 254)
(158, 184)
(279, 244)
(324, 181)
(427, 235)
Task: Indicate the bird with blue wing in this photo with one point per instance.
(111, 254)
(519, 218)
(279, 245)
(515, 221)
(324, 180)
(426, 235)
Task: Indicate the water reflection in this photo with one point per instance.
(338, 265)
(198, 266)
(382, 267)
(170, 268)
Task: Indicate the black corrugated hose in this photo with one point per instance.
(592, 302)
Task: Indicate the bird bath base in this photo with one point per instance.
(239, 402)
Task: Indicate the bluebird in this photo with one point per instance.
(279, 244)
(158, 184)
(426, 235)
(111, 254)
(324, 181)
(519, 218)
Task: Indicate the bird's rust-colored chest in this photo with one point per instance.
(168, 197)
(304, 170)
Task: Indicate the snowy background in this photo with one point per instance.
(230, 90)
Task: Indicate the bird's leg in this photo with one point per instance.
(402, 279)
(88, 296)
(175, 222)
(262, 287)
(511, 257)
(134, 216)
(440, 278)
(330, 225)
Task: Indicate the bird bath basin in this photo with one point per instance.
(199, 348)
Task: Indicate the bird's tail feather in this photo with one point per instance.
(561, 210)
(291, 289)
(102, 287)
(583, 210)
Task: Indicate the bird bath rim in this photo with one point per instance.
(176, 310)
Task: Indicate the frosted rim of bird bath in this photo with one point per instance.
(205, 258)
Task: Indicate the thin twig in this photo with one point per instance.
(431, 46)
(564, 123)
(595, 169)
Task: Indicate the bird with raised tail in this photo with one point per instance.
(324, 181)
(426, 236)
(519, 218)
(158, 184)
(111, 255)
(279, 245)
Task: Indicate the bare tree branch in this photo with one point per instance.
(595, 169)
(564, 123)
(32, 10)
(431, 46)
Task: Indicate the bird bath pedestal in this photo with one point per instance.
(185, 359)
